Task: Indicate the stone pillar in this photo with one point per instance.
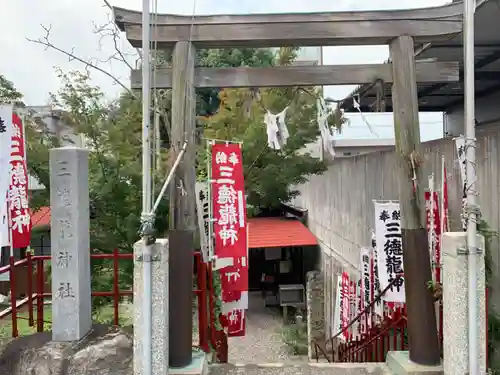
(70, 244)
(159, 272)
(455, 302)
(315, 296)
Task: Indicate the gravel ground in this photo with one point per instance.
(262, 342)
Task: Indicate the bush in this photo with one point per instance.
(295, 338)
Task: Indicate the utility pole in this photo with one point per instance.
(182, 217)
(422, 327)
(471, 178)
(147, 221)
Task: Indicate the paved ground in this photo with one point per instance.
(262, 342)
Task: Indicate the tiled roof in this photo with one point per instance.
(41, 217)
(278, 232)
(263, 232)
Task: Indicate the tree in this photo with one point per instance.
(270, 175)
(112, 131)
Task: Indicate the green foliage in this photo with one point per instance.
(112, 131)
(217, 287)
(269, 174)
(208, 101)
(295, 338)
(8, 92)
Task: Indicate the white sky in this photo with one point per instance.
(31, 68)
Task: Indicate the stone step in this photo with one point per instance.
(299, 369)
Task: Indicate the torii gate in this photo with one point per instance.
(402, 30)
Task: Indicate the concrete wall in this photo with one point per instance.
(341, 152)
(487, 113)
(340, 202)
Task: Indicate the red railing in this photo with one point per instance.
(381, 334)
(36, 289)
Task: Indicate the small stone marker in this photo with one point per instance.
(70, 244)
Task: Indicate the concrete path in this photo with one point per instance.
(262, 342)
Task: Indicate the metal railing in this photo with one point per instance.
(33, 269)
(381, 334)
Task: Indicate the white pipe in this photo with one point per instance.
(146, 190)
(211, 252)
(169, 178)
(468, 41)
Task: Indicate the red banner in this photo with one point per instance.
(20, 218)
(237, 322)
(229, 219)
(434, 230)
(345, 305)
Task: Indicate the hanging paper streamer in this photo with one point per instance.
(277, 131)
(357, 106)
(324, 129)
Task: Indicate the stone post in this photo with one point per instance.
(70, 244)
(315, 296)
(160, 308)
(455, 302)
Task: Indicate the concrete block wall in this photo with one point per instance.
(340, 202)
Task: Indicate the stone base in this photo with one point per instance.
(198, 366)
(399, 364)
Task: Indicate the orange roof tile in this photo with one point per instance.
(41, 217)
(263, 231)
(278, 232)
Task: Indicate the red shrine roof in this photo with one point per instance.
(278, 232)
(41, 217)
(263, 231)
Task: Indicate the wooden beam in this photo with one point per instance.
(303, 29)
(124, 16)
(182, 213)
(319, 75)
(422, 337)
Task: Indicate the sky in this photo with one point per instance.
(31, 67)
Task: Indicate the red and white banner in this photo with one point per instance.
(230, 231)
(375, 280)
(366, 289)
(434, 229)
(389, 249)
(337, 316)
(353, 308)
(237, 323)
(345, 305)
(20, 217)
(5, 144)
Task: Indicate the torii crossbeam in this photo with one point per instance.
(403, 30)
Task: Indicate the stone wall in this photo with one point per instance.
(315, 296)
